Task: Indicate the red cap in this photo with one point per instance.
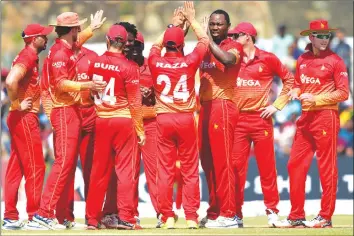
(232, 31)
(69, 19)
(117, 31)
(139, 38)
(35, 30)
(245, 27)
(175, 35)
(4, 72)
(317, 26)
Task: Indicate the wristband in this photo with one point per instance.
(16, 104)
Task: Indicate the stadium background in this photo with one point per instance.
(151, 19)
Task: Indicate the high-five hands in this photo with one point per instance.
(97, 21)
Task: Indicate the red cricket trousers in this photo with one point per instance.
(66, 122)
(177, 138)
(115, 145)
(217, 123)
(148, 153)
(317, 132)
(26, 160)
(252, 128)
(65, 205)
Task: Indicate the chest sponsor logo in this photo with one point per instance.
(247, 82)
(172, 66)
(58, 64)
(107, 66)
(302, 66)
(309, 80)
(207, 65)
(82, 76)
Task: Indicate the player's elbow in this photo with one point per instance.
(10, 84)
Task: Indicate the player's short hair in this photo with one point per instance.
(116, 43)
(253, 39)
(62, 30)
(130, 28)
(222, 12)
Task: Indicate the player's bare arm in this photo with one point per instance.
(16, 74)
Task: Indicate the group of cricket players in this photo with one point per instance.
(113, 110)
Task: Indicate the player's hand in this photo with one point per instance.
(189, 11)
(142, 140)
(205, 23)
(178, 18)
(293, 95)
(26, 104)
(308, 98)
(97, 21)
(145, 92)
(268, 111)
(98, 85)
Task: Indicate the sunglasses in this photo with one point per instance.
(322, 36)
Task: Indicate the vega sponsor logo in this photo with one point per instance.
(82, 76)
(207, 65)
(247, 82)
(309, 80)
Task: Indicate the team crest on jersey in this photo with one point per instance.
(247, 82)
(323, 67)
(309, 80)
(302, 66)
(172, 66)
(260, 69)
(344, 74)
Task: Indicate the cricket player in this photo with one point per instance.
(26, 157)
(65, 206)
(321, 82)
(217, 120)
(110, 211)
(65, 118)
(174, 85)
(254, 124)
(119, 130)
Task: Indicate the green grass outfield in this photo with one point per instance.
(343, 225)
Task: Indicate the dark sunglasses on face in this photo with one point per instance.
(322, 36)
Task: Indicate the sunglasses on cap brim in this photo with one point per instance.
(321, 36)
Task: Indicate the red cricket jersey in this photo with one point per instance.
(255, 79)
(29, 85)
(216, 80)
(84, 59)
(61, 65)
(324, 76)
(121, 97)
(173, 77)
(146, 81)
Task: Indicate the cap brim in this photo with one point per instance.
(231, 32)
(308, 32)
(81, 22)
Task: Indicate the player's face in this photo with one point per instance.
(242, 38)
(218, 26)
(136, 50)
(320, 40)
(40, 42)
(130, 43)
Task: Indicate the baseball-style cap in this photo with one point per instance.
(245, 27)
(117, 31)
(175, 35)
(139, 38)
(69, 19)
(317, 26)
(36, 29)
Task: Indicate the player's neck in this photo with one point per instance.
(67, 39)
(315, 51)
(31, 46)
(249, 52)
(114, 50)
